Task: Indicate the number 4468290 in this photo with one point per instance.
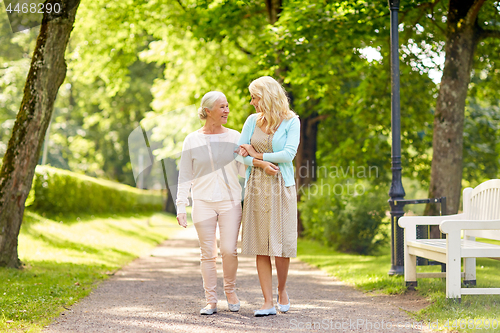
(34, 8)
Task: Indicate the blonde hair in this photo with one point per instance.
(207, 102)
(273, 104)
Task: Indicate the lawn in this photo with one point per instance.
(369, 273)
(66, 258)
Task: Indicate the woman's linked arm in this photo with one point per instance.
(244, 141)
(246, 134)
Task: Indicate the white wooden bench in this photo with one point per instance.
(480, 218)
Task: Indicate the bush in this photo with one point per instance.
(345, 214)
(56, 191)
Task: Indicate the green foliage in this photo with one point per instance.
(90, 129)
(56, 192)
(125, 65)
(481, 141)
(64, 259)
(15, 54)
(129, 60)
(345, 214)
(91, 125)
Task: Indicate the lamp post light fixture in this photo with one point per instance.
(397, 191)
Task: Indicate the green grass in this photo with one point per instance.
(65, 259)
(370, 273)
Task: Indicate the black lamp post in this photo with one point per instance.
(397, 191)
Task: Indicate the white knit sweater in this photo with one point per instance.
(203, 164)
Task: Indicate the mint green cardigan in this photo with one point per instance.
(285, 143)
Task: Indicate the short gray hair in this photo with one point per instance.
(207, 102)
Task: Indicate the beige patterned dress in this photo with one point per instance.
(269, 222)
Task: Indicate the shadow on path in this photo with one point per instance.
(162, 292)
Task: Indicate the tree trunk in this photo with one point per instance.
(47, 73)
(305, 160)
(273, 10)
(446, 169)
(169, 204)
(171, 174)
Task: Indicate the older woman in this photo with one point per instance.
(208, 168)
(270, 138)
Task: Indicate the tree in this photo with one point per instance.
(467, 25)
(47, 73)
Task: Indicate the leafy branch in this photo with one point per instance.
(473, 12)
(422, 6)
(182, 6)
(433, 21)
(486, 33)
(318, 118)
(241, 48)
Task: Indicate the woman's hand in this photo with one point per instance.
(271, 169)
(251, 151)
(182, 219)
(242, 151)
(268, 167)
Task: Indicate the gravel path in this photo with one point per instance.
(162, 292)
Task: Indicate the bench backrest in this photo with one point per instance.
(483, 203)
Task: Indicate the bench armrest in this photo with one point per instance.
(457, 225)
(413, 221)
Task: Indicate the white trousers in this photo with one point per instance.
(205, 216)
